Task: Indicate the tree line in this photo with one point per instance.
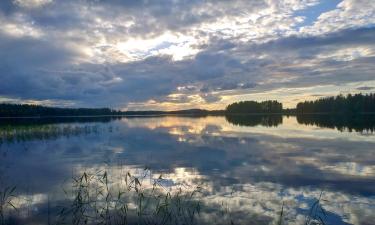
(23, 110)
(244, 107)
(349, 104)
(358, 103)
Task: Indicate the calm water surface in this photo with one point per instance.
(251, 165)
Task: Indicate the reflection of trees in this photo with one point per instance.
(19, 130)
(358, 123)
(42, 132)
(254, 120)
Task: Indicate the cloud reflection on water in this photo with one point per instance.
(264, 165)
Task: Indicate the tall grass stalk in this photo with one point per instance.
(6, 198)
(98, 200)
(317, 214)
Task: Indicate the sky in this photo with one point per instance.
(179, 54)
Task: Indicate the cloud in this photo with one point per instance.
(365, 88)
(121, 53)
(347, 14)
(31, 3)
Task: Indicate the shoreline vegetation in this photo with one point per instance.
(349, 104)
(97, 198)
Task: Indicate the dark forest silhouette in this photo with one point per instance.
(24, 110)
(18, 110)
(255, 107)
(349, 104)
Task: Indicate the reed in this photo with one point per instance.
(97, 200)
(317, 214)
(6, 198)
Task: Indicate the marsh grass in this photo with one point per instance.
(95, 199)
(280, 221)
(6, 197)
(317, 214)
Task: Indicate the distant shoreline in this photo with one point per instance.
(187, 114)
(339, 105)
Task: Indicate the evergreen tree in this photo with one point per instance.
(15, 110)
(349, 104)
(255, 107)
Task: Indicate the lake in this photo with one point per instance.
(249, 168)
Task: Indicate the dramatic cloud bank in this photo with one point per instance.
(168, 54)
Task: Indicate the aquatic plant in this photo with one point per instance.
(317, 214)
(6, 198)
(97, 200)
(94, 198)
